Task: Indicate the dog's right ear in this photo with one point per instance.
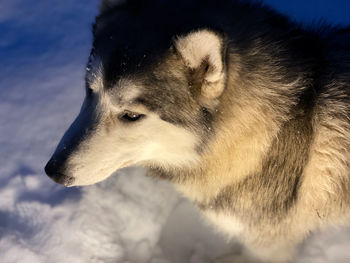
(203, 54)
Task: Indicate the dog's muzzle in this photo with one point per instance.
(55, 171)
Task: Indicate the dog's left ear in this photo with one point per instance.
(203, 53)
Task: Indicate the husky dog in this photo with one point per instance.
(244, 111)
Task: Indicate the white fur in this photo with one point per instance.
(205, 46)
(94, 74)
(124, 92)
(131, 94)
(148, 141)
(228, 225)
(200, 45)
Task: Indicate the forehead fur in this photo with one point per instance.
(130, 38)
(124, 92)
(137, 42)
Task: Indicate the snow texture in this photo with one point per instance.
(127, 218)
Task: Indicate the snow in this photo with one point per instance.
(127, 218)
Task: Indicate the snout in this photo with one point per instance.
(55, 170)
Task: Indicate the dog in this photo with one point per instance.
(243, 110)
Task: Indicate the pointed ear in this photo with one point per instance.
(108, 4)
(203, 53)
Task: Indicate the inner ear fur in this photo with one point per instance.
(202, 52)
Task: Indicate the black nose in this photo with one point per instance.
(51, 168)
(55, 171)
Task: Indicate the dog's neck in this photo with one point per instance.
(243, 133)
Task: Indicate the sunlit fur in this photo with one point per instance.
(247, 115)
(115, 144)
(200, 46)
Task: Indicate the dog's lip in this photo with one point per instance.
(63, 179)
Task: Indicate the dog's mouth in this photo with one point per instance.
(60, 178)
(63, 179)
(56, 171)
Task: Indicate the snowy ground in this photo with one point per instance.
(127, 218)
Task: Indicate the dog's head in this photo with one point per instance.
(152, 86)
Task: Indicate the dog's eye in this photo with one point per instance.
(128, 116)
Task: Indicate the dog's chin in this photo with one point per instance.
(80, 180)
(85, 181)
